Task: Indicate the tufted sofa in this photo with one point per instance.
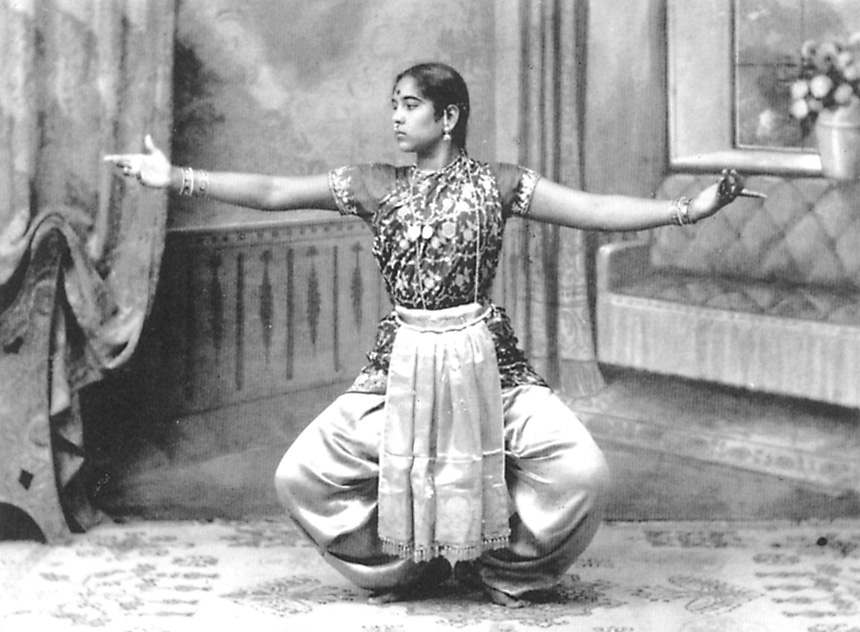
(764, 295)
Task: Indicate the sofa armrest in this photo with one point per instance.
(621, 261)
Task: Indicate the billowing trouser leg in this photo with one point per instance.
(557, 479)
(556, 476)
(328, 482)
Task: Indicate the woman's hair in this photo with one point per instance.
(443, 86)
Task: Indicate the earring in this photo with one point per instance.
(446, 135)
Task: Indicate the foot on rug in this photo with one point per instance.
(434, 573)
(467, 574)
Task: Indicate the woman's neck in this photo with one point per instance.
(442, 156)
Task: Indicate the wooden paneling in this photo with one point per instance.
(258, 311)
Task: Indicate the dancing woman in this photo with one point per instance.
(449, 453)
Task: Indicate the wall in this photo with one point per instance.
(626, 151)
(254, 330)
(625, 142)
(261, 319)
(296, 87)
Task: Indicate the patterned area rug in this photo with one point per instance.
(262, 575)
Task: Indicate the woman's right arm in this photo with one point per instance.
(268, 193)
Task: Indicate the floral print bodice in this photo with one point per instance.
(437, 238)
(437, 234)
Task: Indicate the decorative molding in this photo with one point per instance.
(791, 439)
(240, 321)
(273, 232)
(291, 316)
(266, 305)
(335, 313)
(314, 299)
(835, 473)
(356, 288)
(216, 304)
(260, 311)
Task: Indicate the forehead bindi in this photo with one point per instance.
(407, 88)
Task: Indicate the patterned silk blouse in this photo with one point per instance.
(437, 241)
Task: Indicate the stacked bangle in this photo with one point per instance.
(202, 184)
(187, 181)
(194, 184)
(681, 212)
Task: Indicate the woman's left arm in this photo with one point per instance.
(557, 204)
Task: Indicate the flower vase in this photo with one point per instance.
(837, 132)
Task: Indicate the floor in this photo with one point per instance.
(262, 575)
(730, 511)
(682, 449)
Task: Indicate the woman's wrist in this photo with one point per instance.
(189, 182)
(175, 178)
(679, 214)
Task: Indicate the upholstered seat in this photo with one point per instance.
(763, 295)
(755, 297)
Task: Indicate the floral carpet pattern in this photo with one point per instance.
(262, 575)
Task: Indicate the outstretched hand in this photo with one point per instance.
(727, 189)
(151, 168)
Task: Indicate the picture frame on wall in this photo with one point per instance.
(730, 65)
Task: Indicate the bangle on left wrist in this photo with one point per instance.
(681, 212)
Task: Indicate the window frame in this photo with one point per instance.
(701, 83)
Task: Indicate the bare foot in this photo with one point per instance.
(467, 574)
(434, 573)
(503, 599)
(384, 597)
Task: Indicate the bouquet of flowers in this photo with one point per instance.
(829, 78)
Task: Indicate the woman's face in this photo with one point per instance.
(416, 127)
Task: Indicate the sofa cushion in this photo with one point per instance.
(836, 306)
(806, 233)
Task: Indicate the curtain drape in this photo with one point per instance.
(81, 79)
(554, 279)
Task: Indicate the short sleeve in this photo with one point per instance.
(358, 189)
(516, 188)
